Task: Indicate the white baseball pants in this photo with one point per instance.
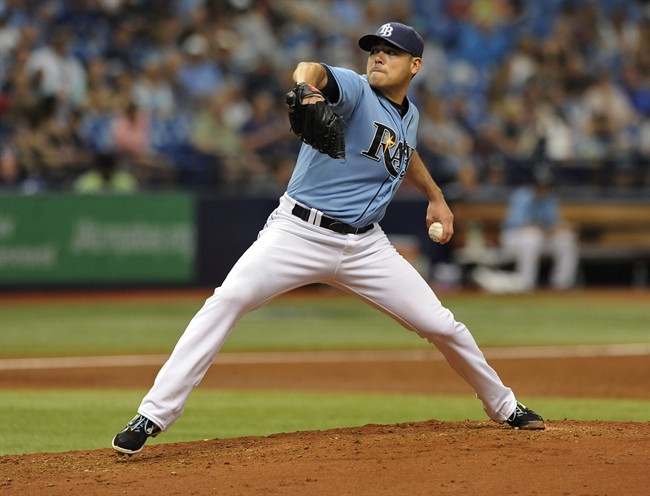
(291, 253)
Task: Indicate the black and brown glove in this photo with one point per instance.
(315, 123)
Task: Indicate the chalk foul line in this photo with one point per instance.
(279, 357)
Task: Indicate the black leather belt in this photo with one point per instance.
(329, 223)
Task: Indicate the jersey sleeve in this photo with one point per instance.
(350, 86)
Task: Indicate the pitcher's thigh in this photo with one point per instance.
(275, 263)
(394, 286)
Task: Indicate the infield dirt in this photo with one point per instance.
(428, 458)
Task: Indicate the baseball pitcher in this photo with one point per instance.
(359, 143)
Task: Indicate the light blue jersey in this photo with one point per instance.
(378, 146)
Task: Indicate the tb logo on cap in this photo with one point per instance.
(386, 30)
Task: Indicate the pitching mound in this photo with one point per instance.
(423, 458)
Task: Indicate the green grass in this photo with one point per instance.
(316, 324)
(63, 420)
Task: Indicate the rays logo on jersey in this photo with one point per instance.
(384, 145)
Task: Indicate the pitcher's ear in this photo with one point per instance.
(416, 65)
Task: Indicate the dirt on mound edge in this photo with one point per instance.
(424, 458)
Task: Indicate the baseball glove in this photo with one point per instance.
(315, 123)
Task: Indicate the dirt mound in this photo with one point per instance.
(423, 458)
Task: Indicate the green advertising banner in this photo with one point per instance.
(144, 238)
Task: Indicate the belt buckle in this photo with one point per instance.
(337, 226)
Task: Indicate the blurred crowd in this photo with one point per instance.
(120, 95)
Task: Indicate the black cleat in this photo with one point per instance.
(526, 419)
(132, 438)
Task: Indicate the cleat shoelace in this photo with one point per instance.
(143, 424)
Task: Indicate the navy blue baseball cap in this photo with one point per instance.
(402, 36)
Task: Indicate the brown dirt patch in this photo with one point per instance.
(425, 458)
(585, 458)
(601, 377)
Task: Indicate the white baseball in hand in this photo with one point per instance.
(435, 231)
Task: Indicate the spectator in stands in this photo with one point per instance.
(9, 37)
(151, 91)
(533, 228)
(48, 150)
(16, 89)
(106, 177)
(618, 37)
(609, 119)
(447, 146)
(605, 98)
(199, 75)
(132, 141)
(120, 53)
(56, 73)
(485, 37)
(13, 177)
(637, 88)
(99, 94)
(266, 134)
(556, 133)
(253, 22)
(131, 133)
(122, 82)
(214, 135)
(518, 139)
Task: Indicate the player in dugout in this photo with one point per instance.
(360, 139)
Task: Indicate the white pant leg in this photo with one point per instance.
(525, 245)
(289, 253)
(379, 275)
(563, 247)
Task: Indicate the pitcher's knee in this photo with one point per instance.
(440, 328)
(234, 298)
